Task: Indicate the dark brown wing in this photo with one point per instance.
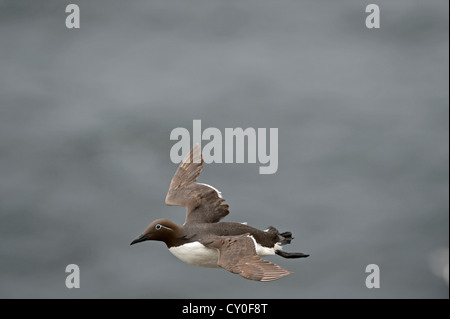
(237, 254)
(186, 175)
(203, 203)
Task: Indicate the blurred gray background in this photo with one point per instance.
(85, 118)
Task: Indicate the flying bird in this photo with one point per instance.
(203, 240)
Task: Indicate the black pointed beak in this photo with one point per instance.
(139, 239)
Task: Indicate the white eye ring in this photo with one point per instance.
(158, 226)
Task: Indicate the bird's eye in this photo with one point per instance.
(158, 227)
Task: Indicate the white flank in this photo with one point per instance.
(265, 251)
(196, 254)
(217, 191)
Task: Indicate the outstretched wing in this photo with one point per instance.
(237, 254)
(203, 202)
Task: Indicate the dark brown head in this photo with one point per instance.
(161, 230)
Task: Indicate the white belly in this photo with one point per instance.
(196, 254)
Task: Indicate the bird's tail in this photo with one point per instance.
(284, 239)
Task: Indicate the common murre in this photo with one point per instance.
(205, 241)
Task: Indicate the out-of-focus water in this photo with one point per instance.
(85, 118)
